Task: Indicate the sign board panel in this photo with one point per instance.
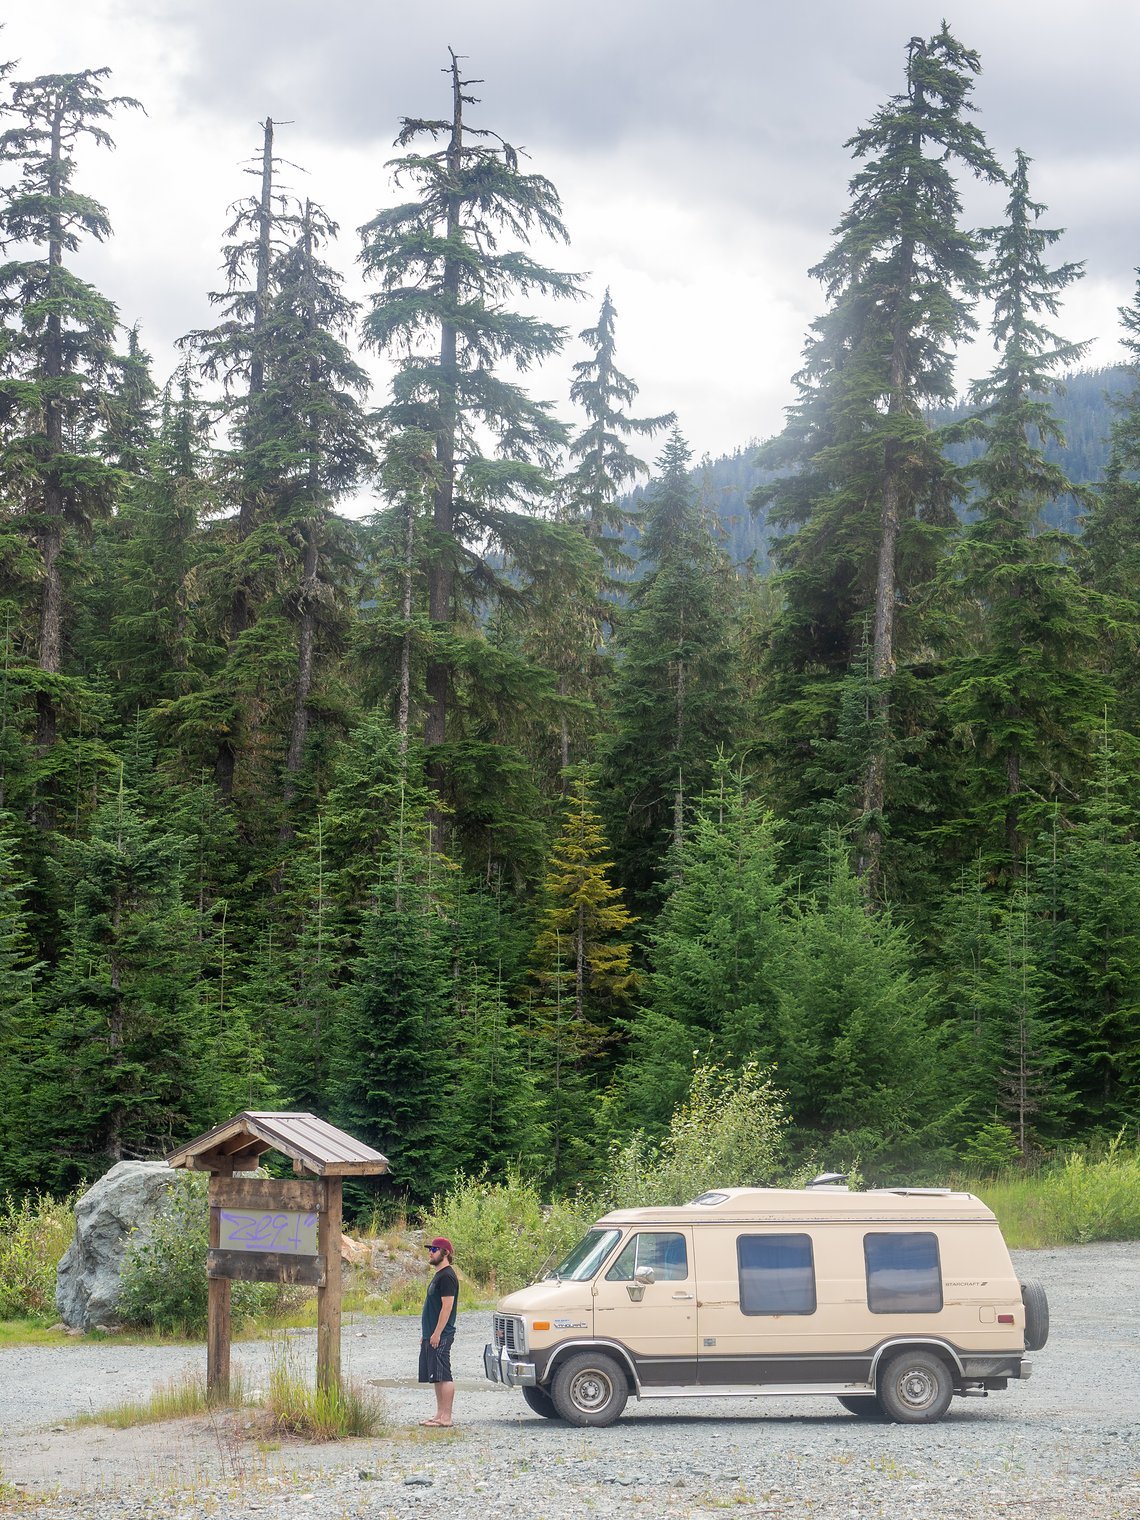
(288, 1232)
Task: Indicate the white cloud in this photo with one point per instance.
(699, 150)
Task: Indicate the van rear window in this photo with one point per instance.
(777, 1274)
(904, 1275)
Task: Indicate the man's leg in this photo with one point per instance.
(444, 1400)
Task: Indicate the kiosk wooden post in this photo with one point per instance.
(267, 1229)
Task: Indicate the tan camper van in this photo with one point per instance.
(892, 1300)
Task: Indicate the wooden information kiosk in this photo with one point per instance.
(265, 1229)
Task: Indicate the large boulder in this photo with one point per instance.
(127, 1198)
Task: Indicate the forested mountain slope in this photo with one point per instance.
(1084, 409)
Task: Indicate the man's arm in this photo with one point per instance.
(444, 1315)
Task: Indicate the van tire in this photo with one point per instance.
(915, 1387)
(1036, 1314)
(589, 1388)
(866, 1405)
(540, 1401)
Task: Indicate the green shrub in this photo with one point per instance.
(34, 1234)
(1095, 1200)
(163, 1281)
(729, 1132)
(992, 1150)
(502, 1232)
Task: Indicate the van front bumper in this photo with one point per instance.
(501, 1367)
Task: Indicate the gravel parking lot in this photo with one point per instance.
(1063, 1446)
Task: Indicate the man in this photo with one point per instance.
(437, 1331)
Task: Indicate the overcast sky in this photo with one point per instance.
(698, 150)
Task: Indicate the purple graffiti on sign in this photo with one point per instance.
(286, 1231)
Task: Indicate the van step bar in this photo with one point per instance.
(751, 1390)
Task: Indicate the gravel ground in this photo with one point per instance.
(1063, 1446)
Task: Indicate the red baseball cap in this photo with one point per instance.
(441, 1243)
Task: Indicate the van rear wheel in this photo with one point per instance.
(866, 1405)
(540, 1401)
(589, 1389)
(915, 1388)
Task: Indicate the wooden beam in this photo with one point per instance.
(265, 1266)
(218, 1307)
(329, 1295)
(267, 1193)
(224, 1163)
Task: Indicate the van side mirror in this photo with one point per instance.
(643, 1275)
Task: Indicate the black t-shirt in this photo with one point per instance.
(445, 1284)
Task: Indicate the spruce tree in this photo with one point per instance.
(1024, 696)
(865, 487)
(583, 967)
(395, 1064)
(856, 1048)
(1091, 892)
(233, 354)
(713, 952)
(447, 263)
(58, 343)
(605, 469)
(125, 1042)
(675, 696)
(500, 1105)
(22, 1165)
(573, 619)
(1111, 538)
(310, 436)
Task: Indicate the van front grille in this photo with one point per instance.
(509, 1331)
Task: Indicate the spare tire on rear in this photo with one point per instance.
(1036, 1314)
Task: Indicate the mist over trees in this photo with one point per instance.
(479, 822)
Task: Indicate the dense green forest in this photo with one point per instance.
(477, 824)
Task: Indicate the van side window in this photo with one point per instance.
(777, 1274)
(665, 1253)
(904, 1275)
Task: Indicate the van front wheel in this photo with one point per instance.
(915, 1388)
(589, 1389)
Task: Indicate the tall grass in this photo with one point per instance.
(34, 1234)
(173, 1400)
(299, 1408)
(1070, 1202)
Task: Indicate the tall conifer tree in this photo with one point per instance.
(58, 346)
(866, 487)
(1025, 693)
(447, 263)
(583, 966)
(675, 697)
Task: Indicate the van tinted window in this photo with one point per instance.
(904, 1275)
(664, 1252)
(777, 1274)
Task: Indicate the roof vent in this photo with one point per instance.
(836, 1181)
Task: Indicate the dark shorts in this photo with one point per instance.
(435, 1361)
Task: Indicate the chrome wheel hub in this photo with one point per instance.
(591, 1391)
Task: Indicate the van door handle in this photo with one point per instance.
(682, 1295)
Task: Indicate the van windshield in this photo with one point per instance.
(586, 1257)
